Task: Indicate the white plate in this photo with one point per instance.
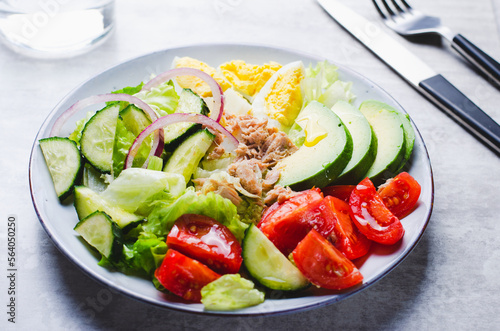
(58, 220)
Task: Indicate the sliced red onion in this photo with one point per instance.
(176, 118)
(217, 94)
(157, 146)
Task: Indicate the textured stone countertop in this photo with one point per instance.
(451, 280)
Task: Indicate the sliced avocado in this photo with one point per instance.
(363, 140)
(407, 127)
(388, 128)
(325, 153)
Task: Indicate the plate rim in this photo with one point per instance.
(236, 313)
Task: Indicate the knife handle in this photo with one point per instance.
(482, 61)
(457, 105)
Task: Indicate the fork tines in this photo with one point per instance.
(392, 9)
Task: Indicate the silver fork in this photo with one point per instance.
(407, 21)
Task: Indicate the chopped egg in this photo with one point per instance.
(248, 79)
(234, 103)
(280, 99)
(194, 83)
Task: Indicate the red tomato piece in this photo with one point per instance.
(324, 265)
(288, 223)
(372, 217)
(346, 236)
(400, 194)
(208, 241)
(184, 276)
(342, 192)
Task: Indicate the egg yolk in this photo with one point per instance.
(248, 79)
(194, 83)
(284, 100)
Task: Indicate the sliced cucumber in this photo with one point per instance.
(134, 119)
(64, 162)
(388, 128)
(268, 265)
(189, 102)
(102, 233)
(98, 137)
(88, 201)
(188, 155)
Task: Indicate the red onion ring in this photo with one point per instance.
(217, 94)
(175, 118)
(157, 146)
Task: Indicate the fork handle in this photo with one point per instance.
(482, 61)
(464, 111)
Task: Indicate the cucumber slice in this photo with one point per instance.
(64, 162)
(188, 155)
(175, 134)
(268, 265)
(388, 128)
(88, 201)
(134, 119)
(101, 233)
(98, 137)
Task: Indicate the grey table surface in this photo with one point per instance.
(450, 281)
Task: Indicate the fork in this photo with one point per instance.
(407, 21)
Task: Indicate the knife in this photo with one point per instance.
(422, 77)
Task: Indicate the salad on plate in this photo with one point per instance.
(221, 184)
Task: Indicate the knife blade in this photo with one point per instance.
(416, 72)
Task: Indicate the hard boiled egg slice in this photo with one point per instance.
(247, 79)
(197, 85)
(280, 99)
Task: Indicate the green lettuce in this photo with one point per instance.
(162, 217)
(135, 186)
(123, 141)
(146, 254)
(163, 98)
(321, 83)
(230, 292)
(76, 135)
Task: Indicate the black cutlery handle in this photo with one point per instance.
(464, 111)
(482, 61)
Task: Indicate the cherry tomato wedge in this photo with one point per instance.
(372, 217)
(324, 265)
(342, 192)
(346, 236)
(400, 194)
(288, 223)
(206, 240)
(184, 276)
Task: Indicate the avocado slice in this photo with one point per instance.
(407, 128)
(325, 153)
(363, 139)
(388, 127)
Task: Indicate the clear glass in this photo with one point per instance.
(55, 28)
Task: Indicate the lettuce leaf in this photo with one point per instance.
(146, 253)
(135, 186)
(123, 141)
(162, 217)
(80, 124)
(322, 84)
(163, 98)
(229, 292)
